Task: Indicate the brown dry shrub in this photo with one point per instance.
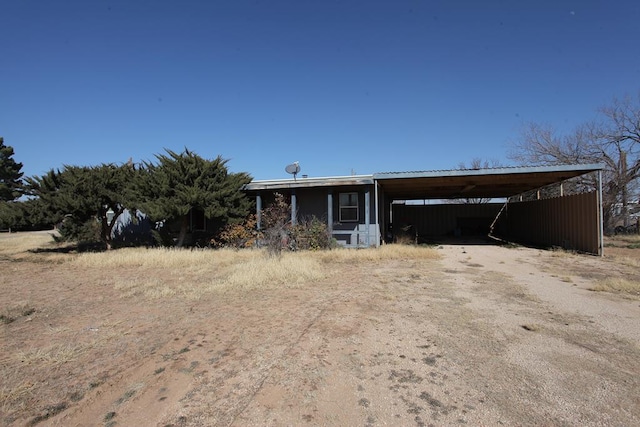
(240, 235)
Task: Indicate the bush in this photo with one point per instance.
(313, 234)
(277, 232)
(276, 222)
(240, 235)
(74, 229)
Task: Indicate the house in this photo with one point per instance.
(367, 210)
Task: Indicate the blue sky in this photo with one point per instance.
(341, 86)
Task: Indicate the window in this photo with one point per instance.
(348, 207)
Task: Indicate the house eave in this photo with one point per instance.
(334, 181)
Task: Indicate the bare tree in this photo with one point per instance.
(613, 139)
(620, 138)
(476, 164)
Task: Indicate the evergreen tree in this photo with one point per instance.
(11, 215)
(81, 197)
(10, 175)
(179, 183)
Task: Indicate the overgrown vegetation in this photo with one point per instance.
(181, 193)
(238, 235)
(184, 187)
(276, 222)
(194, 273)
(312, 234)
(279, 233)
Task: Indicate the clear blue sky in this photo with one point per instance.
(340, 86)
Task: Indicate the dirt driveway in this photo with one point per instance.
(485, 335)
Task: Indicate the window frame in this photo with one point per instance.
(348, 207)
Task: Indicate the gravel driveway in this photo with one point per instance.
(485, 335)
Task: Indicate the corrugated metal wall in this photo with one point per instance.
(445, 219)
(570, 222)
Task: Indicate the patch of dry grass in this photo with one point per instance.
(626, 238)
(223, 258)
(206, 270)
(626, 261)
(51, 356)
(192, 273)
(172, 258)
(384, 252)
(15, 311)
(290, 270)
(618, 285)
(13, 394)
(562, 253)
(12, 244)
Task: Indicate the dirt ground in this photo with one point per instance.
(485, 335)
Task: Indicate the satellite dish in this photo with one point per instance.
(293, 169)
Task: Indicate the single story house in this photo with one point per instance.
(366, 210)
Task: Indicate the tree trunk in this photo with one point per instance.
(623, 192)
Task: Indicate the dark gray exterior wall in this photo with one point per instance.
(314, 202)
(355, 233)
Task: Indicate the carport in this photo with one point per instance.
(568, 221)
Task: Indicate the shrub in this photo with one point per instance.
(239, 235)
(276, 222)
(311, 233)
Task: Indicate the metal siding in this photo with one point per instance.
(440, 220)
(566, 222)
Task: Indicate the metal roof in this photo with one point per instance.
(476, 183)
(331, 181)
(443, 184)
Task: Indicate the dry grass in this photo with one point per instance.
(223, 258)
(626, 261)
(51, 356)
(172, 258)
(11, 313)
(192, 274)
(562, 253)
(11, 395)
(291, 270)
(12, 244)
(384, 252)
(618, 285)
(626, 238)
